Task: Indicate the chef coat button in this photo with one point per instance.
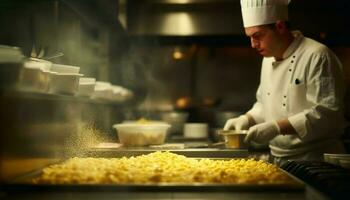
(284, 104)
(284, 96)
(292, 61)
(293, 56)
(290, 70)
(268, 93)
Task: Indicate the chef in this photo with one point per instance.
(299, 106)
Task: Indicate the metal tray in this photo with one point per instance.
(23, 184)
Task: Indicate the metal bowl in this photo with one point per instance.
(234, 139)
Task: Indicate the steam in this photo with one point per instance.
(140, 72)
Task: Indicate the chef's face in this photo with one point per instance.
(264, 39)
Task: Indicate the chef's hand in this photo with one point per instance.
(262, 133)
(238, 123)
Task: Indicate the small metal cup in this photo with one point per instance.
(234, 139)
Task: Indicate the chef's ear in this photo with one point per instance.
(281, 26)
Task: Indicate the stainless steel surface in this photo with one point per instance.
(197, 153)
(182, 18)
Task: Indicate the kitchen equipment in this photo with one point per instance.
(234, 138)
(86, 86)
(142, 134)
(64, 83)
(195, 130)
(46, 65)
(120, 94)
(176, 120)
(103, 90)
(331, 179)
(334, 158)
(34, 76)
(65, 68)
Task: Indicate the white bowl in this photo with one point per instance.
(141, 134)
(65, 68)
(64, 83)
(196, 130)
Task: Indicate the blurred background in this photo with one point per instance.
(183, 56)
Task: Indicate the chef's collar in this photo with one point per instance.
(298, 36)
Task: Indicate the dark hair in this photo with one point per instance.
(273, 25)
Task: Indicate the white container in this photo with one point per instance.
(120, 94)
(65, 69)
(141, 134)
(196, 130)
(103, 90)
(86, 86)
(64, 83)
(45, 64)
(34, 77)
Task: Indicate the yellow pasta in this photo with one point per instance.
(162, 167)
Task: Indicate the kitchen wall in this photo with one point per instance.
(225, 73)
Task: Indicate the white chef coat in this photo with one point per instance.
(307, 87)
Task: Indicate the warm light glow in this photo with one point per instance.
(177, 55)
(178, 1)
(182, 1)
(178, 23)
(183, 102)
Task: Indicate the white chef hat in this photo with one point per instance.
(260, 12)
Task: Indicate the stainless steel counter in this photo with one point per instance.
(190, 152)
(161, 196)
(87, 192)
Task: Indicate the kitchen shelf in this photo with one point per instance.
(59, 97)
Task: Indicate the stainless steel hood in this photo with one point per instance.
(220, 21)
(181, 17)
